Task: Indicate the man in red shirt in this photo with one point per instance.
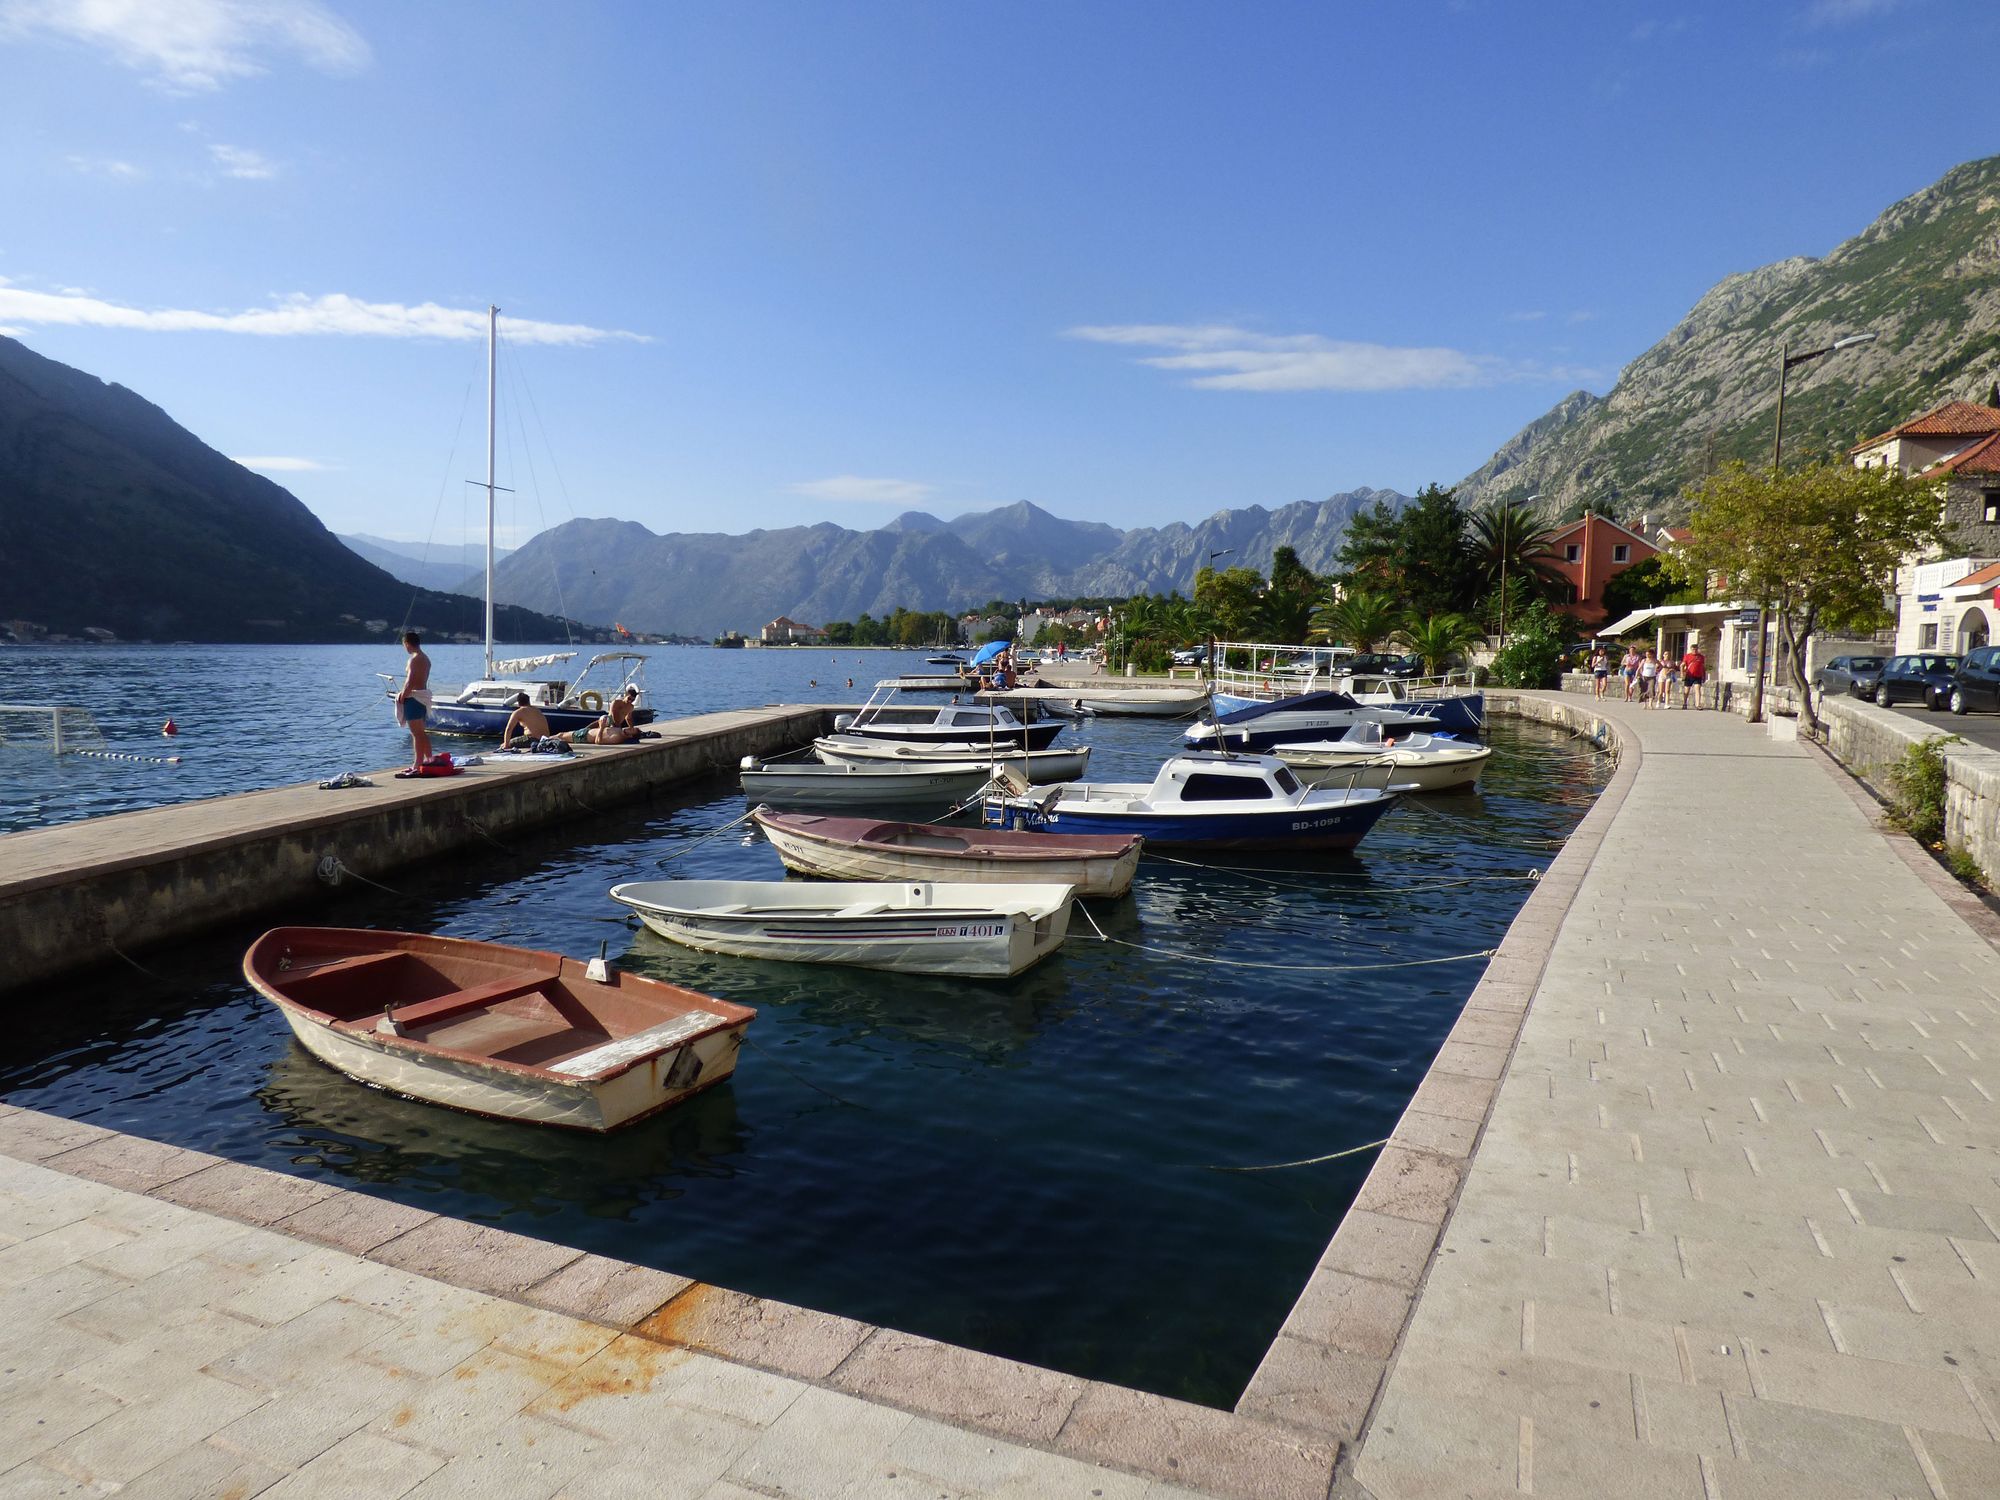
(1694, 672)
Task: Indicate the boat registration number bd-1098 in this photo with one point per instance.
(1306, 825)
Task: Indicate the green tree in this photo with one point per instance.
(1288, 601)
(1359, 618)
(1532, 657)
(1821, 544)
(1232, 600)
(840, 633)
(1642, 586)
(1510, 542)
(1438, 640)
(1370, 554)
(1416, 554)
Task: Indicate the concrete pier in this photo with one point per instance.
(69, 892)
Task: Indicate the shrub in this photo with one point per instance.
(1533, 654)
(1917, 781)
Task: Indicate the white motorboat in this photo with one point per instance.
(976, 931)
(869, 849)
(883, 717)
(508, 1032)
(928, 788)
(1148, 703)
(1364, 756)
(1203, 799)
(1039, 766)
(1304, 716)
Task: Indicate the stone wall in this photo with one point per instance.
(1869, 740)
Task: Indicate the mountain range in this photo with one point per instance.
(115, 518)
(1924, 278)
(700, 583)
(451, 567)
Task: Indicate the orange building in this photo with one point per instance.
(1586, 555)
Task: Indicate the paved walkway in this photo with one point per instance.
(1734, 1226)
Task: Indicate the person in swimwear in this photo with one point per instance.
(413, 698)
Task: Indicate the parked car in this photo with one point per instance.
(1381, 664)
(1922, 678)
(1193, 656)
(1850, 674)
(1976, 683)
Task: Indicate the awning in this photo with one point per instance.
(1703, 611)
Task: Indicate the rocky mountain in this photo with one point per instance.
(115, 518)
(702, 583)
(455, 568)
(1924, 278)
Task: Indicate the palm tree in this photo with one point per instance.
(1510, 540)
(1436, 640)
(1358, 618)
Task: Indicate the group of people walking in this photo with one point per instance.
(1651, 678)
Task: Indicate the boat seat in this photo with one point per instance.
(440, 1006)
(625, 1049)
(863, 909)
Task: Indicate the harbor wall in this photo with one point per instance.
(80, 894)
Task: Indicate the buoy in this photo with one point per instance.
(170, 728)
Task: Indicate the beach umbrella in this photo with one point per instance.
(988, 651)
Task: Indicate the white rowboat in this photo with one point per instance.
(1417, 763)
(1041, 767)
(984, 931)
(867, 849)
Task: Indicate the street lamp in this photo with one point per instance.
(1503, 566)
(1786, 361)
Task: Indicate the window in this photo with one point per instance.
(1927, 637)
(1993, 505)
(1207, 787)
(1623, 551)
(1573, 552)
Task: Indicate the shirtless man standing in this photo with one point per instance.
(526, 723)
(413, 699)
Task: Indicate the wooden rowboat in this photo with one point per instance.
(986, 931)
(508, 1032)
(869, 849)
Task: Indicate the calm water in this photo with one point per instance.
(1031, 1167)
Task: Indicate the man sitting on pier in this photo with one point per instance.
(617, 727)
(526, 724)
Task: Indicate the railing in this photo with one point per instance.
(1265, 670)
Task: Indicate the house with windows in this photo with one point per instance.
(1587, 554)
(1949, 602)
(784, 631)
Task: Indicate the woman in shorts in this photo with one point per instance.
(1600, 672)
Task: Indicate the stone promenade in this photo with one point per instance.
(1733, 1228)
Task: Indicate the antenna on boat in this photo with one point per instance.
(492, 369)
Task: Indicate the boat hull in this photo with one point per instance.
(483, 1090)
(1284, 828)
(1144, 705)
(476, 721)
(1041, 767)
(806, 851)
(1411, 773)
(1036, 736)
(921, 790)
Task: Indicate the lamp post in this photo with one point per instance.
(1786, 362)
(1505, 538)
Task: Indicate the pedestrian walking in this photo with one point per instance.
(1631, 669)
(1649, 672)
(1694, 672)
(1663, 687)
(1600, 671)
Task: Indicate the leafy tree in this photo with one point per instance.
(1819, 544)
(1438, 640)
(1359, 618)
(1642, 586)
(1437, 576)
(1370, 552)
(1288, 602)
(1532, 657)
(1232, 600)
(1509, 542)
(840, 633)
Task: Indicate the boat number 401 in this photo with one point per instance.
(974, 929)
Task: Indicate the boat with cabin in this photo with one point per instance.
(1206, 799)
(884, 717)
(509, 1032)
(1364, 756)
(974, 931)
(1252, 672)
(1305, 716)
(869, 849)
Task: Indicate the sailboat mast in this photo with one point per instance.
(492, 346)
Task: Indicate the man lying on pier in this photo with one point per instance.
(617, 727)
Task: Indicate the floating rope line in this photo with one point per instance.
(701, 838)
(331, 871)
(148, 760)
(801, 1078)
(1310, 1161)
(470, 822)
(1260, 875)
(1243, 963)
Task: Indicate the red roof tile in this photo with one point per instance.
(1988, 574)
(1981, 458)
(1953, 419)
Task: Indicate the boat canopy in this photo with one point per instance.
(522, 664)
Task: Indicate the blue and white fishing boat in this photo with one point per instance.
(1248, 673)
(1242, 724)
(1204, 799)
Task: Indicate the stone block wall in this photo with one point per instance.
(1869, 740)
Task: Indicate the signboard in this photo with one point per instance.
(1747, 615)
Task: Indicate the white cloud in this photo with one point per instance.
(1533, 316)
(291, 316)
(1844, 12)
(241, 161)
(1226, 358)
(103, 166)
(853, 487)
(192, 46)
(284, 465)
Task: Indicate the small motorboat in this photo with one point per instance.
(984, 931)
(1304, 716)
(1364, 756)
(882, 717)
(944, 659)
(1206, 799)
(1148, 703)
(1039, 766)
(867, 849)
(930, 788)
(508, 1032)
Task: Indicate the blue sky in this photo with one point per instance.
(794, 262)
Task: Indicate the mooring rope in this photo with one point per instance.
(1261, 876)
(1243, 963)
(331, 870)
(701, 838)
(1310, 1161)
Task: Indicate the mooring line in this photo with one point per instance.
(1244, 963)
(1262, 874)
(1310, 1161)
